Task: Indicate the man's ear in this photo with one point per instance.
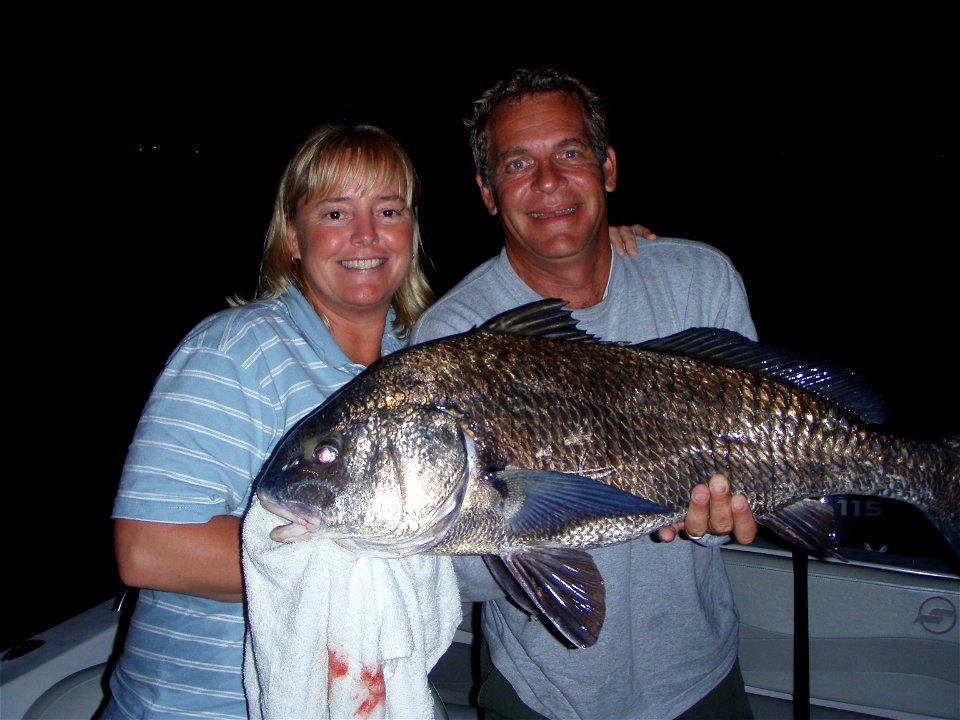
(488, 197)
(610, 170)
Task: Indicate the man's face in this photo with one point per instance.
(547, 185)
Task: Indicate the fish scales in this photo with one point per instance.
(647, 424)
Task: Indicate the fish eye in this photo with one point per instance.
(326, 453)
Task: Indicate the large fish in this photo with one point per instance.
(527, 441)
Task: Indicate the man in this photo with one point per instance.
(669, 645)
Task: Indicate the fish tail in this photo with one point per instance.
(953, 445)
(945, 514)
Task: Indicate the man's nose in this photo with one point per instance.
(548, 177)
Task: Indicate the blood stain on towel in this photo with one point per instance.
(337, 668)
(371, 680)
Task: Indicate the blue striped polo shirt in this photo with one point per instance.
(238, 381)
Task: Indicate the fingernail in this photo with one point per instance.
(718, 483)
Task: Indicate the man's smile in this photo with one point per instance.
(554, 213)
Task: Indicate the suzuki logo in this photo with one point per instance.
(937, 615)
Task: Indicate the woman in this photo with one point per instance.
(341, 284)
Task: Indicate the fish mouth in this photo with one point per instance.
(304, 524)
(551, 214)
(362, 263)
(300, 523)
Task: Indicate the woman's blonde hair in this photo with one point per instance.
(332, 157)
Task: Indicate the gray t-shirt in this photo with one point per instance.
(671, 627)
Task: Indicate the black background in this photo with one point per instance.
(817, 154)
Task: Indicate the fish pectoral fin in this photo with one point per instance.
(566, 587)
(537, 502)
(809, 523)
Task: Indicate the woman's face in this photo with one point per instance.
(354, 247)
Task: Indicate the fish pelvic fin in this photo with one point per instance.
(515, 591)
(565, 586)
(545, 502)
(809, 523)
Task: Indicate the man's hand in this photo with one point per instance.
(624, 237)
(713, 510)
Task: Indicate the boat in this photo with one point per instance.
(874, 636)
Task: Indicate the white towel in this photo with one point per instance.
(334, 634)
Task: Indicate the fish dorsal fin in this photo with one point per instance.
(544, 318)
(832, 383)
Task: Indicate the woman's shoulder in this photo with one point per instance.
(242, 326)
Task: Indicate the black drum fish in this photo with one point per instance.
(528, 441)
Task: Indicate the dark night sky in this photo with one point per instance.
(822, 165)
